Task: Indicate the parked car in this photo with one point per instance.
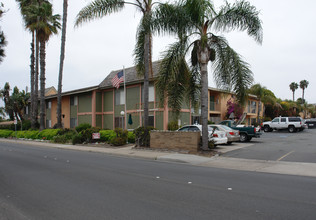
(232, 135)
(246, 132)
(292, 124)
(215, 134)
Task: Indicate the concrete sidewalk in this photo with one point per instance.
(278, 167)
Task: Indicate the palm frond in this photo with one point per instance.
(240, 16)
(174, 76)
(98, 9)
(230, 71)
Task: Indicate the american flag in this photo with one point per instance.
(118, 78)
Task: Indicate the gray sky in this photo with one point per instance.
(96, 48)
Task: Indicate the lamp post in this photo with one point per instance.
(122, 114)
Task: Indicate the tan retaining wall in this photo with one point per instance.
(185, 140)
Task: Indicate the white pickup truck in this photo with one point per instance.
(291, 123)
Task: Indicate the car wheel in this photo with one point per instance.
(243, 137)
(291, 129)
(267, 128)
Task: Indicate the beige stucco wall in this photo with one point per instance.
(65, 110)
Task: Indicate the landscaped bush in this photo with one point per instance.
(87, 133)
(47, 134)
(82, 127)
(31, 134)
(5, 133)
(142, 136)
(107, 135)
(131, 137)
(77, 139)
(121, 137)
(62, 139)
(173, 125)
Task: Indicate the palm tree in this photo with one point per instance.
(293, 87)
(3, 42)
(46, 25)
(303, 85)
(24, 6)
(192, 21)
(258, 90)
(61, 65)
(101, 8)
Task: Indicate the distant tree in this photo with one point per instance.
(14, 103)
(293, 87)
(258, 90)
(303, 85)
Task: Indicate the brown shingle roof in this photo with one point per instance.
(130, 74)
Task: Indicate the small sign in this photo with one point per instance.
(95, 135)
(15, 121)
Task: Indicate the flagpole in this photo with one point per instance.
(125, 99)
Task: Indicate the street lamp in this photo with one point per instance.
(122, 114)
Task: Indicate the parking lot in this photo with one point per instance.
(280, 146)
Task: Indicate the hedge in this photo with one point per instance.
(5, 133)
(47, 134)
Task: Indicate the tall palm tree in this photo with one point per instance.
(47, 24)
(61, 65)
(101, 8)
(24, 6)
(293, 87)
(192, 21)
(303, 85)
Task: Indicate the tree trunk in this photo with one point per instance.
(293, 96)
(203, 57)
(35, 104)
(42, 79)
(147, 64)
(259, 109)
(32, 67)
(303, 101)
(61, 65)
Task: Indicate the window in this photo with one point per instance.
(151, 93)
(73, 122)
(294, 119)
(212, 103)
(252, 106)
(119, 122)
(48, 105)
(74, 101)
(48, 123)
(276, 120)
(195, 119)
(283, 119)
(119, 97)
(151, 120)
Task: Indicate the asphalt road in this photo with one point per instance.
(280, 146)
(46, 183)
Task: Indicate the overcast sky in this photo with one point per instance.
(94, 49)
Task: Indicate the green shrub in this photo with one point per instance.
(20, 134)
(173, 125)
(210, 122)
(47, 134)
(62, 139)
(31, 134)
(131, 137)
(118, 141)
(5, 133)
(82, 127)
(107, 135)
(77, 139)
(87, 134)
(142, 136)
